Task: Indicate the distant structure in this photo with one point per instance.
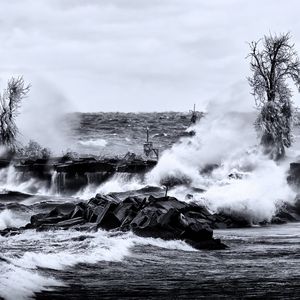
(195, 116)
(149, 150)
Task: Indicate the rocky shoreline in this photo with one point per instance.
(148, 213)
(158, 217)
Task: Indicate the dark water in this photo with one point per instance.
(261, 262)
(118, 133)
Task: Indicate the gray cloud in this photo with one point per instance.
(138, 55)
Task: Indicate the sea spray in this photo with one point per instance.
(9, 218)
(12, 180)
(120, 182)
(216, 137)
(58, 180)
(244, 181)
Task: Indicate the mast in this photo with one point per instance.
(194, 117)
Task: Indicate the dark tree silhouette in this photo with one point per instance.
(274, 62)
(10, 101)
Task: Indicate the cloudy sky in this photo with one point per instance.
(137, 55)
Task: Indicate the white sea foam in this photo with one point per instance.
(95, 143)
(20, 277)
(11, 180)
(9, 218)
(120, 182)
(227, 139)
(18, 283)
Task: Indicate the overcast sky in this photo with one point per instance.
(137, 55)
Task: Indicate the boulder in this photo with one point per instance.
(162, 217)
(99, 207)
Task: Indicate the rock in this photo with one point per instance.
(166, 203)
(78, 211)
(98, 207)
(141, 193)
(74, 173)
(124, 208)
(231, 219)
(71, 222)
(168, 218)
(158, 217)
(11, 231)
(150, 222)
(212, 244)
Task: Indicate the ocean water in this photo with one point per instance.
(261, 262)
(117, 133)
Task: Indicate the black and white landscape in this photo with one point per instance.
(149, 149)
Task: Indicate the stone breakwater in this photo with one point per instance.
(148, 213)
(158, 217)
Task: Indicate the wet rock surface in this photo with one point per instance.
(148, 213)
(158, 217)
(76, 173)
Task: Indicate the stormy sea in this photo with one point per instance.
(261, 261)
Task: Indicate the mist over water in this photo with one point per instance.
(42, 117)
(244, 182)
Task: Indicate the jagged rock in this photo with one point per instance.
(98, 207)
(124, 208)
(163, 217)
(71, 222)
(168, 218)
(53, 217)
(78, 211)
(230, 219)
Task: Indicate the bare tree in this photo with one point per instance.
(10, 101)
(274, 62)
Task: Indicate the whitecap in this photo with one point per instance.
(93, 143)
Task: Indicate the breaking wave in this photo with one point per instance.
(9, 218)
(241, 179)
(11, 180)
(120, 182)
(21, 274)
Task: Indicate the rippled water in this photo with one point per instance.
(261, 262)
(118, 133)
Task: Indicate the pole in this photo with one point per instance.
(147, 134)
